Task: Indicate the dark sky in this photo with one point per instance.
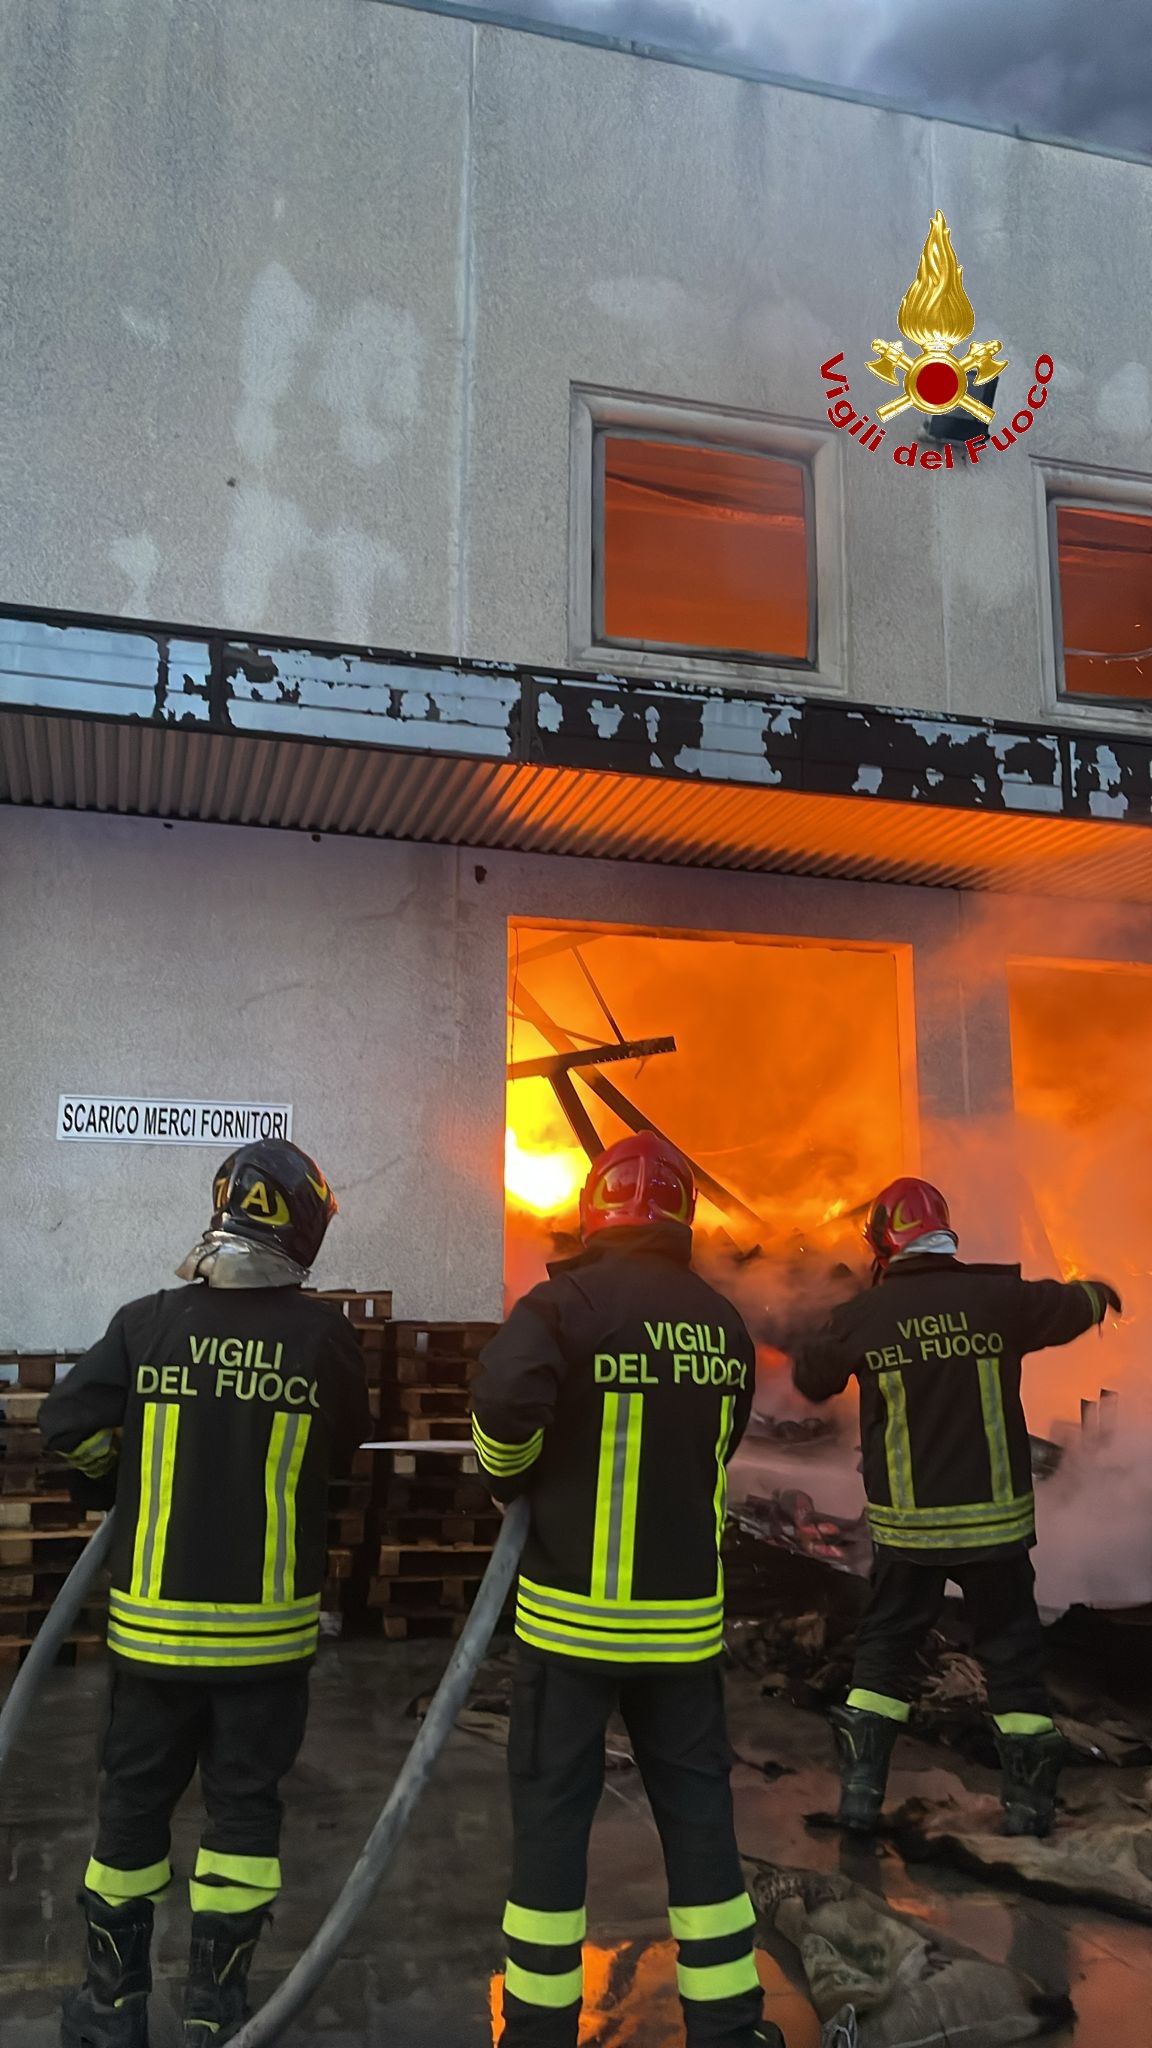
(1060, 67)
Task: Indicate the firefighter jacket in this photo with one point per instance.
(936, 1347)
(226, 1409)
(614, 1397)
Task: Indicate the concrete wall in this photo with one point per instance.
(365, 983)
(296, 292)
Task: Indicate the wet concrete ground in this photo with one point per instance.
(419, 1969)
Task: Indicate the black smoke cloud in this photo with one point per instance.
(1053, 67)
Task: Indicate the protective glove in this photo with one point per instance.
(1110, 1295)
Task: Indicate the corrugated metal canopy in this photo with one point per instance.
(237, 779)
(175, 722)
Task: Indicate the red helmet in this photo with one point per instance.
(904, 1212)
(641, 1179)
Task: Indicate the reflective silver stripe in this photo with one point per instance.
(158, 1454)
(581, 1603)
(166, 1650)
(709, 1614)
(281, 1483)
(286, 1447)
(206, 1616)
(621, 1649)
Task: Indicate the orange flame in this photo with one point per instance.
(936, 310)
(547, 1181)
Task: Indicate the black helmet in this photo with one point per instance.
(273, 1194)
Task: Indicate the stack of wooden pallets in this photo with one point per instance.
(437, 1524)
(351, 1499)
(409, 1534)
(41, 1532)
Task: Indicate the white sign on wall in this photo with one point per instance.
(136, 1120)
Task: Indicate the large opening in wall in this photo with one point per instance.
(1082, 1080)
(783, 1068)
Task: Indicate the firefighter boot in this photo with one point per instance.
(216, 1995)
(865, 1743)
(111, 2010)
(1030, 1769)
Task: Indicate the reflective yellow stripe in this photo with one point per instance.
(603, 1522)
(114, 1886)
(727, 1414)
(1096, 1300)
(549, 1930)
(1025, 1724)
(640, 1612)
(617, 1486)
(286, 1448)
(718, 1980)
(960, 1514)
(227, 1898)
(866, 1702)
(261, 1871)
(506, 1461)
(533, 1989)
(977, 1525)
(211, 1617)
(157, 1465)
(238, 1652)
(992, 1538)
(897, 1444)
(95, 1454)
(705, 1923)
(992, 1405)
(604, 1647)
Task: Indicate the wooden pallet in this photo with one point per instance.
(364, 1311)
(433, 1560)
(437, 1401)
(78, 1649)
(35, 1371)
(430, 1340)
(433, 1624)
(443, 1527)
(421, 1489)
(26, 1546)
(20, 1408)
(407, 1596)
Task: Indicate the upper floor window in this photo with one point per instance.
(706, 543)
(1103, 568)
(701, 549)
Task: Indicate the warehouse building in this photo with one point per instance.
(453, 613)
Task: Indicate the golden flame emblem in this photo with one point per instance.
(936, 313)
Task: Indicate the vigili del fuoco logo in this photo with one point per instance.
(936, 316)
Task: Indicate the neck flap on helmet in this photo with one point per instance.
(223, 1260)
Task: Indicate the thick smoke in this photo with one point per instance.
(1048, 66)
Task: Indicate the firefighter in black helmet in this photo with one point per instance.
(212, 1415)
(936, 1347)
(614, 1397)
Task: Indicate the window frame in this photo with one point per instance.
(598, 414)
(1087, 489)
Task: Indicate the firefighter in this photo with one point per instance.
(936, 1347)
(212, 1414)
(614, 1397)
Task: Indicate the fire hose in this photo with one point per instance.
(325, 1946)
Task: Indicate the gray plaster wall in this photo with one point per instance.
(365, 983)
(296, 292)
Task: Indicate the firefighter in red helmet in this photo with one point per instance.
(936, 1348)
(614, 1397)
(210, 1415)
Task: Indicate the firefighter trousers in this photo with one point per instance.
(244, 1735)
(676, 1722)
(1000, 1608)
